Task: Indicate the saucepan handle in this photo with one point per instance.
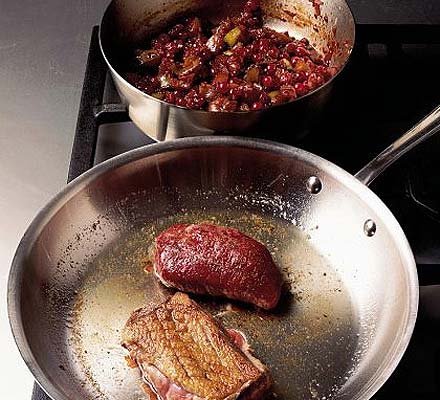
(423, 130)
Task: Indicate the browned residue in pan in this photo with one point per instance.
(314, 322)
(130, 362)
(298, 18)
(290, 13)
(323, 36)
(148, 392)
(147, 265)
(317, 6)
(332, 47)
(152, 22)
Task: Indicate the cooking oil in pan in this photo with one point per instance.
(308, 342)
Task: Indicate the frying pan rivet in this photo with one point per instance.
(370, 227)
(314, 185)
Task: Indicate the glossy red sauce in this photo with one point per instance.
(238, 65)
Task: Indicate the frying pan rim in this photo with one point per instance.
(203, 112)
(75, 186)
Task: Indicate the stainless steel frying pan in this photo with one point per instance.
(350, 302)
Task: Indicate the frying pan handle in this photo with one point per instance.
(423, 130)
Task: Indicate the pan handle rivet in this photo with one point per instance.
(369, 227)
(314, 185)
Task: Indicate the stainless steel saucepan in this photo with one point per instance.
(351, 292)
(128, 23)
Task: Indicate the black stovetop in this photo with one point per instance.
(391, 81)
